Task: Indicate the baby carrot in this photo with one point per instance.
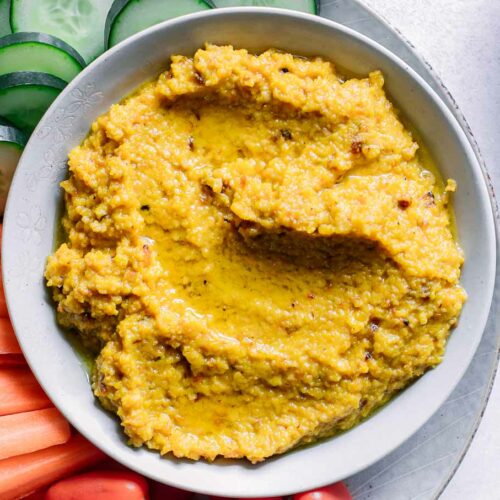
(32, 431)
(19, 391)
(8, 341)
(24, 474)
(3, 304)
(11, 360)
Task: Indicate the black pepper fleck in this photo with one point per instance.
(286, 134)
(374, 324)
(431, 199)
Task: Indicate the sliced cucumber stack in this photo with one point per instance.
(80, 23)
(4, 17)
(26, 95)
(39, 52)
(309, 6)
(127, 17)
(12, 142)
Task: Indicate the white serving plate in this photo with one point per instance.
(32, 216)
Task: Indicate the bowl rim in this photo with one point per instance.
(436, 102)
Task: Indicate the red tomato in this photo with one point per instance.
(163, 492)
(256, 498)
(100, 485)
(337, 491)
(262, 498)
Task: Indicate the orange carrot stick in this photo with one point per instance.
(8, 341)
(32, 431)
(19, 391)
(24, 474)
(3, 304)
(11, 360)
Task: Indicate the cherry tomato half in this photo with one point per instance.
(100, 485)
(262, 498)
(337, 491)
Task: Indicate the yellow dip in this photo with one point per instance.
(256, 254)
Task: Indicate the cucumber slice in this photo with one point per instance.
(4, 17)
(39, 52)
(309, 6)
(78, 22)
(26, 95)
(12, 142)
(127, 17)
(10, 134)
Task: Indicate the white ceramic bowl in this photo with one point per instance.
(32, 217)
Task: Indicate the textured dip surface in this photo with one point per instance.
(256, 254)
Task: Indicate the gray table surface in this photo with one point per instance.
(459, 38)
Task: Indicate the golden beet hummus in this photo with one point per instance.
(256, 253)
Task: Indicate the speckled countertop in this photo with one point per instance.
(460, 39)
